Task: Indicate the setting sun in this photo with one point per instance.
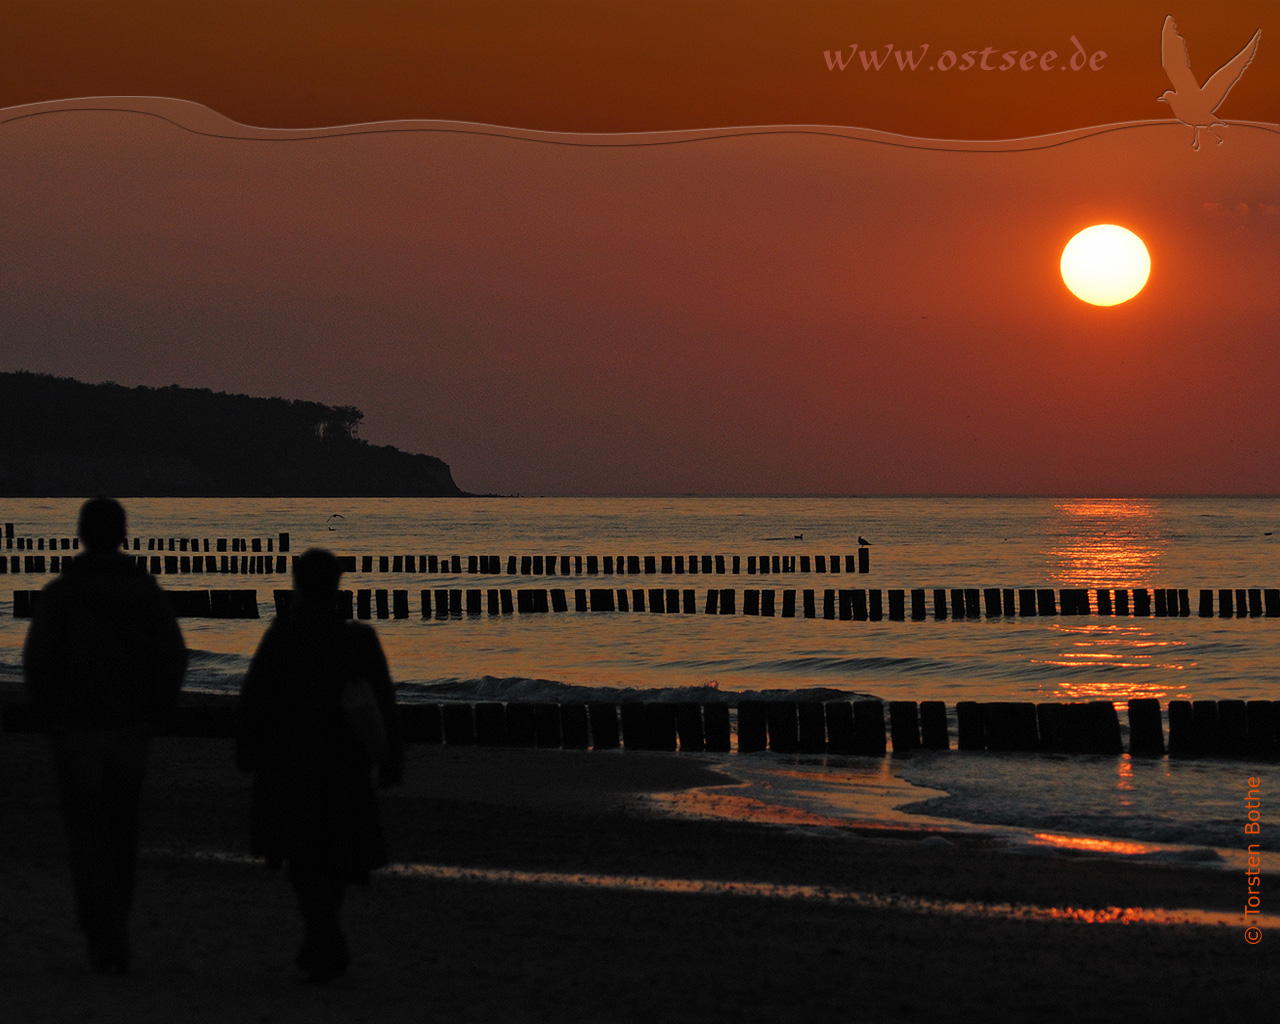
(1105, 264)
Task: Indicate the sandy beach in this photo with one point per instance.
(881, 381)
(524, 890)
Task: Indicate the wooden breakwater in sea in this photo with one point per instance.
(843, 604)
(163, 555)
(158, 565)
(1201, 728)
(262, 555)
(12, 541)
(609, 565)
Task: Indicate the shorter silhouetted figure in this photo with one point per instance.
(104, 661)
(313, 807)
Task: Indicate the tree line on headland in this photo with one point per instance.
(60, 437)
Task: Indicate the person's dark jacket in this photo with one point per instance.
(313, 796)
(104, 650)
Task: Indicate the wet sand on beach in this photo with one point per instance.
(534, 904)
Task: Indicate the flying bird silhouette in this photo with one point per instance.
(1194, 104)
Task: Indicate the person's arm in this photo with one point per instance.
(168, 657)
(391, 772)
(251, 707)
(43, 657)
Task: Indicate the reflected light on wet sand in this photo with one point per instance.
(1089, 845)
(822, 894)
(891, 902)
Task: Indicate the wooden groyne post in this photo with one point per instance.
(1201, 728)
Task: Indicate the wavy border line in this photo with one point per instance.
(198, 119)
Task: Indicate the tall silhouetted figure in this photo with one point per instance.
(313, 808)
(104, 661)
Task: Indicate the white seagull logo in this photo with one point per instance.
(1194, 104)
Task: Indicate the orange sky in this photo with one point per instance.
(786, 314)
(599, 65)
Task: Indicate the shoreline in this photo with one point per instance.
(850, 794)
(492, 931)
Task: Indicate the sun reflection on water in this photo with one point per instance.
(1124, 784)
(1112, 542)
(1102, 648)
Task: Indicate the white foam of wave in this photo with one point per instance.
(1189, 805)
(527, 690)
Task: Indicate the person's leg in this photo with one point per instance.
(124, 776)
(80, 770)
(323, 954)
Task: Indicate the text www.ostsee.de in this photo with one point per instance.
(989, 58)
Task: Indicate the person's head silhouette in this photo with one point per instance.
(315, 580)
(102, 524)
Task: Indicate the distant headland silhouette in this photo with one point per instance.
(66, 438)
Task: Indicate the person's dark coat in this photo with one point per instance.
(104, 650)
(313, 798)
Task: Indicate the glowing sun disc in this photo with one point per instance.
(1105, 264)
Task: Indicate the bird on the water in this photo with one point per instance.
(1194, 104)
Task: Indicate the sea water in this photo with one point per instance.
(1186, 543)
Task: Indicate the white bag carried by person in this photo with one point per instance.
(364, 719)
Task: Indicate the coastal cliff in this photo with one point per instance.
(61, 437)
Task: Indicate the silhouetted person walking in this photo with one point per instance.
(314, 808)
(104, 661)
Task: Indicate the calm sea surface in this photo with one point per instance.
(927, 543)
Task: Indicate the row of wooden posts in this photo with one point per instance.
(609, 565)
(182, 559)
(192, 544)
(1202, 728)
(844, 604)
(193, 604)
(157, 565)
